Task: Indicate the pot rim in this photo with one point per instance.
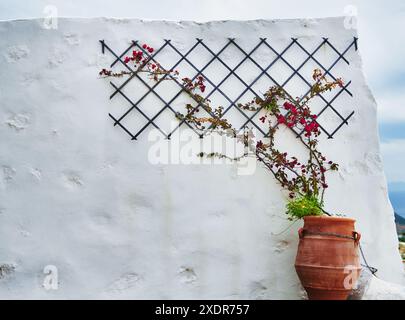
(329, 218)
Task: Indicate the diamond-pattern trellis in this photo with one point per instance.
(264, 72)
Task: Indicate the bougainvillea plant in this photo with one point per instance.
(304, 180)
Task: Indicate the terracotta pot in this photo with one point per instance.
(327, 261)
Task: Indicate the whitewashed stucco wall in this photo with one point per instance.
(78, 194)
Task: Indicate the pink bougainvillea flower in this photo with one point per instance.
(287, 105)
(340, 82)
(281, 119)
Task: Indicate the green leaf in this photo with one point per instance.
(304, 206)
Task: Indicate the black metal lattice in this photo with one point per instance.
(248, 87)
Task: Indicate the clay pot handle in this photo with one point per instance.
(357, 236)
(301, 233)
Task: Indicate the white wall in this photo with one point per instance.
(77, 193)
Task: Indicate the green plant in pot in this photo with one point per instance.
(303, 206)
(327, 261)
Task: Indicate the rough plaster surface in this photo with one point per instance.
(76, 193)
(382, 290)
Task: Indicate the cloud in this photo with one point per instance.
(391, 106)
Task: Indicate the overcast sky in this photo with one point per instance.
(381, 26)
